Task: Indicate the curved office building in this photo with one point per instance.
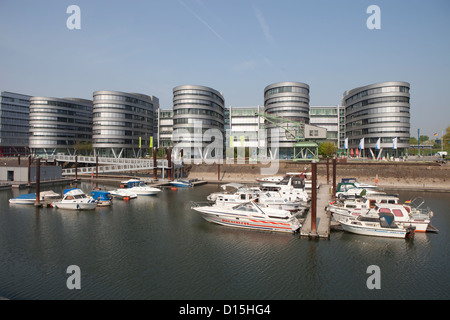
(287, 100)
(196, 109)
(123, 124)
(378, 111)
(60, 125)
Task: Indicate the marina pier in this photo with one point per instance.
(323, 217)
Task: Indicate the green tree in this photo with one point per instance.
(83, 147)
(413, 141)
(327, 149)
(446, 138)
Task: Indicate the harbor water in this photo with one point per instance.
(158, 248)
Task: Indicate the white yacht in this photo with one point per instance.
(75, 199)
(291, 188)
(404, 215)
(139, 188)
(353, 206)
(250, 215)
(123, 194)
(30, 198)
(235, 193)
(382, 225)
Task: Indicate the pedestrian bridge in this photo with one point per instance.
(108, 165)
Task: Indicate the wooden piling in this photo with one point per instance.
(334, 179)
(96, 167)
(169, 165)
(313, 198)
(38, 182)
(29, 170)
(76, 168)
(155, 175)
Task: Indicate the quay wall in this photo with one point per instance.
(395, 175)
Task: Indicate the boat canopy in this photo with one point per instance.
(101, 195)
(232, 185)
(387, 220)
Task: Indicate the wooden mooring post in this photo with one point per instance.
(155, 170)
(38, 183)
(313, 199)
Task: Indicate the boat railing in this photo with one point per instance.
(195, 204)
(422, 213)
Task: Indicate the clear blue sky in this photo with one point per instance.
(234, 46)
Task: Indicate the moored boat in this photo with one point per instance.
(353, 206)
(381, 226)
(358, 184)
(404, 215)
(30, 198)
(140, 188)
(181, 183)
(250, 215)
(346, 189)
(75, 199)
(123, 194)
(104, 198)
(291, 187)
(242, 194)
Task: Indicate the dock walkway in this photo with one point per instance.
(322, 215)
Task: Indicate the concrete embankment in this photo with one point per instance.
(391, 175)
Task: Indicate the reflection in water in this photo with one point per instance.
(158, 248)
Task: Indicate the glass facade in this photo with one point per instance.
(287, 100)
(331, 118)
(124, 124)
(196, 109)
(59, 125)
(378, 111)
(14, 124)
(165, 128)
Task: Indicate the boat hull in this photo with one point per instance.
(252, 223)
(75, 206)
(341, 214)
(145, 192)
(27, 202)
(373, 231)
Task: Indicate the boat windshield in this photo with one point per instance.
(246, 207)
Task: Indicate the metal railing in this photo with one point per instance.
(112, 164)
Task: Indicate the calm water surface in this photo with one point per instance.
(158, 248)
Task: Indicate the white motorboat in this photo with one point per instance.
(181, 183)
(243, 194)
(123, 194)
(353, 206)
(349, 189)
(274, 179)
(291, 188)
(140, 188)
(250, 215)
(75, 199)
(383, 225)
(358, 184)
(404, 215)
(235, 193)
(30, 198)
